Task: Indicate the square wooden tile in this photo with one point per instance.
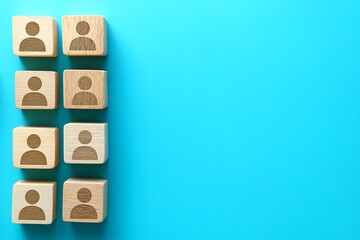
(35, 147)
(34, 36)
(85, 200)
(34, 202)
(86, 143)
(85, 89)
(36, 90)
(84, 35)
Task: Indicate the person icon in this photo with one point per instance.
(32, 44)
(82, 43)
(84, 211)
(32, 212)
(34, 98)
(85, 152)
(83, 97)
(33, 157)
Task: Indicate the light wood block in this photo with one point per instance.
(34, 202)
(36, 89)
(34, 36)
(85, 200)
(84, 35)
(35, 147)
(85, 89)
(86, 143)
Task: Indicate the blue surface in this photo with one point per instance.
(228, 119)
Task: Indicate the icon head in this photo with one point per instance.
(34, 83)
(85, 137)
(33, 141)
(32, 28)
(84, 83)
(32, 196)
(82, 28)
(84, 195)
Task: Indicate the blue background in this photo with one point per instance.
(228, 119)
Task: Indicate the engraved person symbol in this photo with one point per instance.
(32, 212)
(34, 98)
(82, 43)
(84, 97)
(32, 44)
(33, 157)
(85, 152)
(84, 211)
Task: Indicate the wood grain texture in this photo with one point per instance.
(35, 147)
(34, 36)
(34, 202)
(86, 143)
(85, 89)
(85, 200)
(36, 90)
(84, 35)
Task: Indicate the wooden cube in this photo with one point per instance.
(35, 147)
(85, 89)
(84, 35)
(85, 200)
(34, 202)
(34, 36)
(86, 143)
(36, 90)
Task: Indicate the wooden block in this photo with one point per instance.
(85, 200)
(85, 89)
(34, 36)
(36, 90)
(86, 143)
(84, 35)
(35, 147)
(34, 202)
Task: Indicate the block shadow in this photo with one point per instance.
(91, 63)
(41, 174)
(81, 230)
(89, 115)
(39, 64)
(45, 118)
